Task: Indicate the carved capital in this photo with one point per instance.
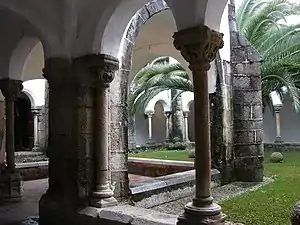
(102, 68)
(11, 89)
(198, 46)
(186, 114)
(277, 108)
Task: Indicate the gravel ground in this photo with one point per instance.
(173, 202)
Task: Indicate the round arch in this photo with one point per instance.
(30, 95)
(129, 24)
(19, 56)
(151, 105)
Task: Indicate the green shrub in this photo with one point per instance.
(192, 154)
(179, 146)
(276, 157)
(176, 139)
(170, 146)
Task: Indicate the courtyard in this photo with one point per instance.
(272, 199)
(144, 112)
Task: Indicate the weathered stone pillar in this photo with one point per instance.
(167, 117)
(36, 114)
(12, 180)
(103, 68)
(277, 109)
(199, 46)
(149, 116)
(186, 126)
(61, 199)
(245, 61)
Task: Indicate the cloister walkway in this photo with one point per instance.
(14, 213)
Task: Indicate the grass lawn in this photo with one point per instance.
(181, 155)
(271, 204)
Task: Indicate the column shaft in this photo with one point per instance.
(101, 154)
(202, 135)
(186, 126)
(277, 124)
(150, 127)
(10, 133)
(35, 129)
(103, 68)
(167, 117)
(199, 46)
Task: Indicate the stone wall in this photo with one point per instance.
(44, 120)
(222, 121)
(247, 106)
(119, 125)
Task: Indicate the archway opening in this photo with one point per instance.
(24, 129)
(159, 124)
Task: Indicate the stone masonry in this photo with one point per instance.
(247, 106)
(121, 127)
(222, 121)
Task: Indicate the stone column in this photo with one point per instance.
(11, 89)
(277, 109)
(186, 126)
(167, 117)
(104, 68)
(36, 114)
(199, 46)
(149, 116)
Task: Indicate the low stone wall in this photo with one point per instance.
(156, 167)
(144, 189)
(29, 156)
(33, 170)
(281, 147)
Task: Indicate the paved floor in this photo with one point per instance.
(11, 214)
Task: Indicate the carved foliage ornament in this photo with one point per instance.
(198, 45)
(103, 67)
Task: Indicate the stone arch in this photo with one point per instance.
(122, 137)
(19, 56)
(137, 13)
(39, 28)
(30, 95)
(151, 106)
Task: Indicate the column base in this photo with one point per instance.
(150, 142)
(205, 215)
(11, 186)
(103, 202)
(36, 148)
(278, 140)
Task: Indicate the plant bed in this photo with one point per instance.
(157, 167)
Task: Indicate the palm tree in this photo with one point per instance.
(157, 76)
(262, 24)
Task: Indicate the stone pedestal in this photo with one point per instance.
(199, 46)
(11, 179)
(11, 186)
